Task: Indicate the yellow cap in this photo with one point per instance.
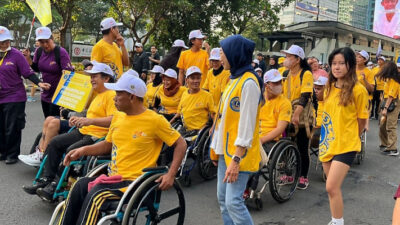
(281, 59)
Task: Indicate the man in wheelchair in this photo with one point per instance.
(134, 141)
(196, 105)
(89, 129)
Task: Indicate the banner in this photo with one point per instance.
(42, 10)
(73, 91)
(79, 50)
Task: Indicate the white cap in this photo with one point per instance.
(43, 33)
(256, 61)
(138, 44)
(398, 64)
(132, 73)
(170, 73)
(258, 69)
(129, 83)
(370, 63)
(5, 34)
(382, 57)
(192, 70)
(321, 81)
(196, 34)
(295, 50)
(107, 23)
(319, 62)
(100, 68)
(364, 54)
(179, 43)
(215, 54)
(272, 75)
(157, 69)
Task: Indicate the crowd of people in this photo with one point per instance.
(249, 102)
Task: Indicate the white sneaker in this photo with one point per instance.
(393, 153)
(33, 159)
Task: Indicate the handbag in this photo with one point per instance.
(391, 107)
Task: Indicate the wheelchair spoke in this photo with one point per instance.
(169, 213)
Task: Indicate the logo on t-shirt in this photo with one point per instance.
(327, 134)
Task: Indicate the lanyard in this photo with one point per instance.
(1, 61)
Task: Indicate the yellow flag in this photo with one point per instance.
(42, 10)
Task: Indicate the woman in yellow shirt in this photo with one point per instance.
(169, 95)
(391, 108)
(153, 86)
(343, 120)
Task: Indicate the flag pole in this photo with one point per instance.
(33, 21)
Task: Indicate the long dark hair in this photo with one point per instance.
(304, 64)
(171, 59)
(389, 71)
(350, 79)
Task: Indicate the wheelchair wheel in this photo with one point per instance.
(284, 171)
(207, 169)
(57, 214)
(360, 155)
(149, 205)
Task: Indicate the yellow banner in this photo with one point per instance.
(42, 10)
(73, 91)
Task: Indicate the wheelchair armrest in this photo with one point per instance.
(97, 170)
(160, 169)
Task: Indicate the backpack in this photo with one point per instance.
(39, 52)
(306, 118)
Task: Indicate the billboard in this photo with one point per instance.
(387, 18)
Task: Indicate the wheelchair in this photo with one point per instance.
(280, 174)
(197, 153)
(141, 203)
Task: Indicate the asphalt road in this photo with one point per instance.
(368, 191)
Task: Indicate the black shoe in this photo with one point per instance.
(47, 192)
(42, 182)
(11, 161)
(2, 157)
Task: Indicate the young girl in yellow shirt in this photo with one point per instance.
(344, 117)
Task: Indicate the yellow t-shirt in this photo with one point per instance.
(111, 55)
(274, 110)
(170, 104)
(150, 94)
(101, 106)
(368, 76)
(295, 89)
(282, 69)
(379, 83)
(195, 109)
(137, 141)
(320, 110)
(393, 89)
(189, 58)
(216, 84)
(339, 130)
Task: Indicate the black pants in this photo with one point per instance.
(376, 101)
(83, 207)
(49, 109)
(12, 121)
(61, 144)
(302, 143)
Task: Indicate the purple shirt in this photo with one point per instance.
(51, 71)
(14, 66)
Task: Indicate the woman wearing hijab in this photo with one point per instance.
(236, 141)
(273, 62)
(13, 66)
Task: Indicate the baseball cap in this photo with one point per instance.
(295, 50)
(258, 69)
(215, 54)
(138, 44)
(170, 73)
(43, 33)
(382, 57)
(192, 70)
(179, 43)
(107, 23)
(196, 34)
(132, 73)
(272, 75)
(5, 34)
(364, 54)
(321, 81)
(281, 60)
(398, 64)
(370, 63)
(256, 61)
(129, 83)
(100, 68)
(157, 69)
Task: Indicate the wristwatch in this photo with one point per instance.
(236, 159)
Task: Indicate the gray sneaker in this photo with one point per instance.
(393, 153)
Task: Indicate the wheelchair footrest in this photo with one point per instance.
(160, 169)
